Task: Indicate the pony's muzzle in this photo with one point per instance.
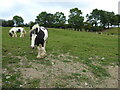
(32, 47)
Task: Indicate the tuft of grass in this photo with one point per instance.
(60, 84)
(34, 83)
(77, 76)
(43, 61)
(98, 71)
(10, 60)
(12, 80)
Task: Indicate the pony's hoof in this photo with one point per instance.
(38, 57)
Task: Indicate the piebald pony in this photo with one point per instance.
(14, 30)
(38, 37)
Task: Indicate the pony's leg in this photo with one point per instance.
(43, 51)
(21, 34)
(39, 52)
(15, 35)
(44, 47)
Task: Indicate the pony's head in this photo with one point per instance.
(33, 34)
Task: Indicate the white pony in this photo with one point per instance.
(38, 36)
(14, 30)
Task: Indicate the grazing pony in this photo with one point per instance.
(14, 30)
(38, 37)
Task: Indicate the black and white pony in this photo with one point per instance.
(38, 37)
(14, 30)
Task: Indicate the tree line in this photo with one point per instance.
(97, 20)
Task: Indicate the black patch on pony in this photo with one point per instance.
(12, 31)
(39, 38)
(10, 34)
(18, 30)
(31, 27)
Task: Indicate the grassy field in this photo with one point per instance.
(74, 60)
(112, 31)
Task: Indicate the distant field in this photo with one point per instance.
(74, 60)
(112, 31)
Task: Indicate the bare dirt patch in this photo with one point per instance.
(62, 71)
(53, 75)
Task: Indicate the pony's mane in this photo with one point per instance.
(35, 26)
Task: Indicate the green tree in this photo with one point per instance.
(101, 18)
(45, 19)
(4, 22)
(107, 18)
(75, 19)
(87, 26)
(94, 17)
(49, 20)
(18, 20)
(118, 19)
(113, 20)
(41, 18)
(10, 23)
(59, 18)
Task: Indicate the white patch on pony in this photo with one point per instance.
(33, 40)
(36, 26)
(45, 32)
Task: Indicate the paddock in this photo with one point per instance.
(74, 60)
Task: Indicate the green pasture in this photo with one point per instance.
(70, 48)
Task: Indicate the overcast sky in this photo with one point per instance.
(29, 9)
